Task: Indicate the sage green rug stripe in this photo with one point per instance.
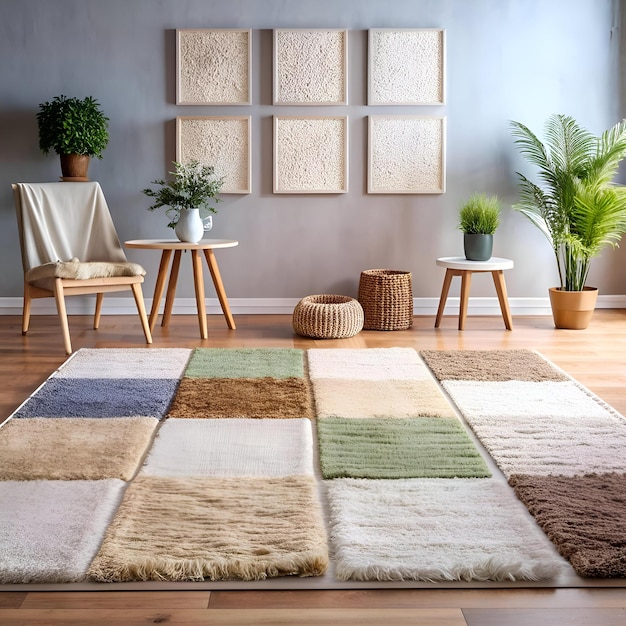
(192, 528)
(246, 363)
(272, 398)
(490, 365)
(390, 448)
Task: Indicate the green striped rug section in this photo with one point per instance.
(390, 448)
(246, 363)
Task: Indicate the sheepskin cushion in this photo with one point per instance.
(83, 270)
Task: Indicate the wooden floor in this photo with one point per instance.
(596, 357)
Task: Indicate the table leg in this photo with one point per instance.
(444, 296)
(171, 289)
(219, 287)
(466, 281)
(498, 281)
(198, 282)
(158, 288)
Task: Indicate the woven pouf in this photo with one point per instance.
(387, 299)
(327, 317)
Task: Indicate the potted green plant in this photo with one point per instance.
(479, 219)
(190, 197)
(76, 130)
(577, 207)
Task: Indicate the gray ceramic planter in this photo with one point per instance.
(478, 247)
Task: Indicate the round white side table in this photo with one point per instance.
(460, 266)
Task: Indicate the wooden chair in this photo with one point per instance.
(70, 247)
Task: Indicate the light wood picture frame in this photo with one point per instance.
(310, 67)
(213, 66)
(406, 154)
(406, 66)
(310, 154)
(223, 142)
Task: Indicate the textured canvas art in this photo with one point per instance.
(310, 66)
(406, 154)
(406, 66)
(223, 142)
(310, 154)
(213, 66)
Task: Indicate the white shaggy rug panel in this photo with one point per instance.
(237, 447)
(125, 363)
(370, 364)
(435, 530)
(50, 530)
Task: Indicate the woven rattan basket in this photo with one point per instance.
(327, 317)
(387, 299)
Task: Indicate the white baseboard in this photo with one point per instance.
(84, 305)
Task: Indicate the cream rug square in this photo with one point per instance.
(370, 364)
(242, 447)
(335, 397)
(125, 363)
(231, 528)
(435, 530)
(50, 530)
(73, 448)
(514, 399)
(543, 428)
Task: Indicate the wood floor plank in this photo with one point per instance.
(545, 617)
(421, 598)
(11, 599)
(235, 617)
(117, 600)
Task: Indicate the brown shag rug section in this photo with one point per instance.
(584, 516)
(191, 529)
(490, 365)
(242, 397)
(73, 448)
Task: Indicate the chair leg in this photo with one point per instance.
(98, 312)
(141, 309)
(26, 309)
(59, 296)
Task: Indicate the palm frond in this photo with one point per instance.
(571, 147)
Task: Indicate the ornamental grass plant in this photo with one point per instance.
(480, 215)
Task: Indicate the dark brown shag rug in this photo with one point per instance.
(584, 516)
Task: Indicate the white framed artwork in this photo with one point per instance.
(213, 66)
(406, 66)
(310, 67)
(406, 154)
(310, 154)
(223, 142)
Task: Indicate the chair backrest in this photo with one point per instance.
(62, 221)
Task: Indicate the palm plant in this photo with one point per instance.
(578, 208)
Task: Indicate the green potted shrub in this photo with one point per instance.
(479, 219)
(576, 206)
(190, 197)
(76, 130)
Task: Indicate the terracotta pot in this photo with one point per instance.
(74, 167)
(573, 309)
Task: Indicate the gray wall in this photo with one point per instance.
(506, 59)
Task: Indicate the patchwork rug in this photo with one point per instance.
(246, 464)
